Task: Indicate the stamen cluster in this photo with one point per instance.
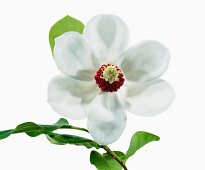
(109, 78)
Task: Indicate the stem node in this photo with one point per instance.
(111, 153)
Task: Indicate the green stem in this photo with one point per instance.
(106, 148)
(111, 153)
(75, 128)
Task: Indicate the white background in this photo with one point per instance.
(26, 66)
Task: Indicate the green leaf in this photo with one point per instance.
(66, 24)
(99, 161)
(33, 129)
(105, 161)
(138, 140)
(63, 139)
(4, 134)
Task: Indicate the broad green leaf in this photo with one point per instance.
(105, 161)
(112, 162)
(138, 140)
(66, 24)
(99, 161)
(63, 139)
(33, 129)
(30, 128)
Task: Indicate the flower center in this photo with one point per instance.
(109, 78)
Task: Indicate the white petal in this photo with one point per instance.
(145, 61)
(67, 96)
(108, 35)
(107, 119)
(73, 55)
(149, 99)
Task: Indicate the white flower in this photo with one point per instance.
(102, 78)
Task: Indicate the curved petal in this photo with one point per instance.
(145, 61)
(106, 118)
(67, 96)
(149, 99)
(108, 35)
(73, 55)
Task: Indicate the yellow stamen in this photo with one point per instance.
(110, 74)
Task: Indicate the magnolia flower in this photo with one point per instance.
(102, 79)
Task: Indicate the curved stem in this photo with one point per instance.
(106, 148)
(75, 128)
(111, 153)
